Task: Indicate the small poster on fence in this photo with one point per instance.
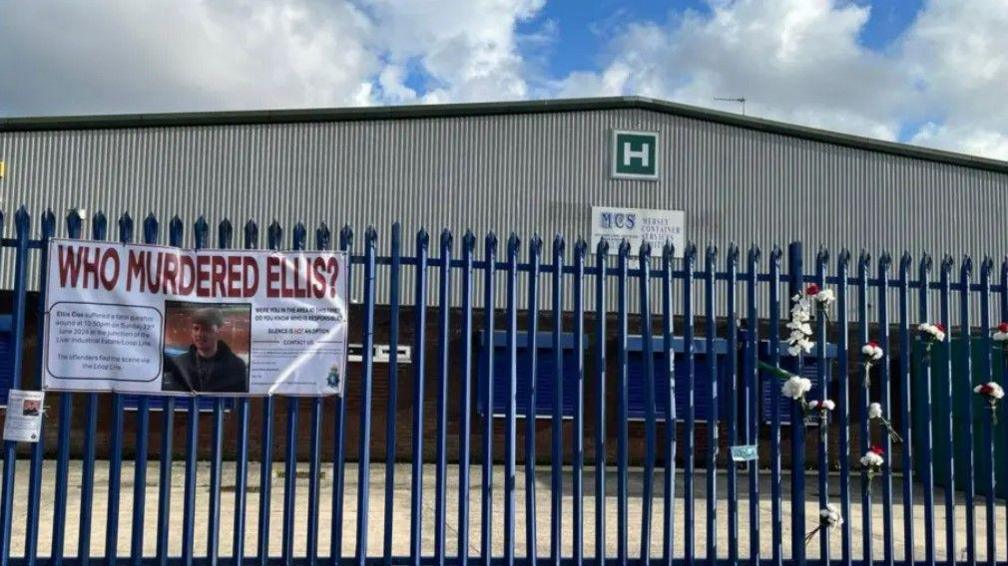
(149, 319)
(23, 422)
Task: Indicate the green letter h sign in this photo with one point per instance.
(634, 155)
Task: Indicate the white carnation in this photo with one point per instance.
(824, 405)
(874, 411)
(796, 387)
(872, 460)
(825, 297)
(1000, 336)
(831, 517)
(996, 391)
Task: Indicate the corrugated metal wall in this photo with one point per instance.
(531, 173)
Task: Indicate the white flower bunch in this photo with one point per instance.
(875, 413)
(932, 332)
(823, 405)
(873, 459)
(1001, 334)
(800, 339)
(991, 390)
(872, 352)
(994, 393)
(796, 387)
(825, 298)
(829, 518)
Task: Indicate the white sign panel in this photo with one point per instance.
(161, 320)
(638, 225)
(23, 422)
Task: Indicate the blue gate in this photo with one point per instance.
(656, 313)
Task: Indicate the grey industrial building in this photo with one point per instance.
(527, 167)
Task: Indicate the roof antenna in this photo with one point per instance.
(740, 100)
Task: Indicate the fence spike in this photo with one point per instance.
(624, 248)
(884, 262)
(732, 256)
(322, 237)
(966, 267)
(776, 253)
(48, 223)
(73, 222)
(346, 238)
(580, 248)
(300, 235)
(644, 253)
(843, 259)
(125, 228)
(946, 264)
(274, 235)
(150, 228)
(559, 245)
(175, 231)
(200, 231)
(905, 262)
(822, 256)
(251, 235)
(602, 248)
(512, 244)
(22, 219)
(423, 239)
(446, 240)
(986, 267)
(99, 226)
(224, 233)
(468, 240)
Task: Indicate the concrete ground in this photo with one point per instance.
(401, 514)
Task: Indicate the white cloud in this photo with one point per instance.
(793, 60)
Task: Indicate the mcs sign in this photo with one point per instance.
(635, 155)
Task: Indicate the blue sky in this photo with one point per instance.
(927, 72)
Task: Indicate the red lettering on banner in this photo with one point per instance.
(202, 276)
(110, 257)
(272, 276)
(170, 272)
(333, 265)
(218, 278)
(187, 275)
(134, 270)
(234, 276)
(251, 277)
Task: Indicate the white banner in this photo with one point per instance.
(638, 225)
(160, 320)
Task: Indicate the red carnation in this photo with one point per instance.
(986, 389)
(877, 450)
(812, 290)
(873, 344)
(940, 326)
(1003, 327)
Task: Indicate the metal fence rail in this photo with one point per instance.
(750, 514)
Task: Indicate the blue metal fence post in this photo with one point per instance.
(863, 337)
(731, 396)
(822, 257)
(556, 443)
(273, 235)
(796, 284)
(926, 408)
(224, 236)
(99, 230)
(752, 399)
(689, 503)
(293, 413)
(843, 404)
(668, 378)
(116, 441)
(648, 375)
(577, 447)
(986, 369)
(1003, 310)
(150, 236)
(489, 301)
(322, 243)
(175, 229)
(200, 229)
(419, 369)
(710, 291)
(22, 225)
(945, 371)
(509, 429)
(339, 445)
(966, 370)
(441, 411)
(251, 241)
(48, 225)
(364, 448)
(622, 392)
(885, 261)
(776, 519)
(73, 224)
(393, 389)
(465, 398)
(532, 333)
(905, 393)
(601, 255)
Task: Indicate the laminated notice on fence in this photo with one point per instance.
(161, 320)
(23, 422)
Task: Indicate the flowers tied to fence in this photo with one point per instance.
(993, 393)
(870, 353)
(800, 339)
(822, 406)
(829, 518)
(875, 414)
(931, 334)
(872, 462)
(1001, 333)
